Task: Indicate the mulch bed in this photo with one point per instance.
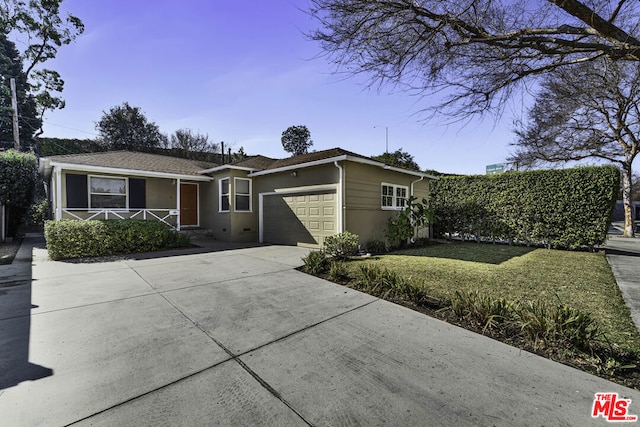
(628, 376)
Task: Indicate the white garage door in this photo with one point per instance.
(300, 219)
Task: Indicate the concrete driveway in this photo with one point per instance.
(241, 338)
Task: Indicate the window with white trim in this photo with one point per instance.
(223, 202)
(394, 196)
(107, 192)
(242, 192)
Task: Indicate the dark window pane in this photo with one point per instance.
(224, 203)
(76, 186)
(137, 193)
(108, 185)
(242, 203)
(102, 201)
(242, 186)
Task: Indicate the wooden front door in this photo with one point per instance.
(188, 205)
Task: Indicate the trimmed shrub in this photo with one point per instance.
(399, 230)
(376, 247)
(341, 246)
(18, 178)
(68, 239)
(568, 208)
(406, 225)
(316, 262)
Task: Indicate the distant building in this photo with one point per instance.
(618, 211)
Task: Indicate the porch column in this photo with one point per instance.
(178, 201)
(58, 194)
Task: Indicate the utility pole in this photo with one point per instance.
(14, 106)
(386, 137)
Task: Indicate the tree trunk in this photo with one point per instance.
(3, 228)
(626, 200)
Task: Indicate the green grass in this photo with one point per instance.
(581, 280)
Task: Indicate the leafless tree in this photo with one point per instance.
(589, 110)
(192, 145)
(476, 50)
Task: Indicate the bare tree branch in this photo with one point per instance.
(479, 49)
(586, 111)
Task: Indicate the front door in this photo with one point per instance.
(188, 205)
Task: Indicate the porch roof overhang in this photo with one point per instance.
(342, 158)
(225, 167)
(46, 167)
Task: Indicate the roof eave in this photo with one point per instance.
(389, 167)
(118, 171)
(299, 165)
(224, 167)
(342, 158)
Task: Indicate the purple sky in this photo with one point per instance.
(242, 72)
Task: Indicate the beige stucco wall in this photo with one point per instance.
(207, 205)
(318, 175)
(161, 193)
(232, 226)
(363, 213)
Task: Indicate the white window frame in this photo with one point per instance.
(394, 197)
(126, 193)
(236, 194)
(221, 195)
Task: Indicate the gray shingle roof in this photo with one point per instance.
(256, 162)
(136, 161)
(313, 157)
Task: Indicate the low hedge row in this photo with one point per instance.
(68, 239)
(567, 208)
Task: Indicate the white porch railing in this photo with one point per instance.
(162, 215)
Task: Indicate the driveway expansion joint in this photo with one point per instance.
(236, 357)
(193, 374)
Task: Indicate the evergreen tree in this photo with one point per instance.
(28, 120)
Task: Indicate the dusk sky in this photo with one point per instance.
(242, 72)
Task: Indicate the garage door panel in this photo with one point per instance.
(299, 219)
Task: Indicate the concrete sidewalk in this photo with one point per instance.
(241, 338)
(623, 255)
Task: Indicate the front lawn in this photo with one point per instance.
(579, 280)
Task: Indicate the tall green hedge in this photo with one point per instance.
(82, 239)
(566, 208)
(18, 178)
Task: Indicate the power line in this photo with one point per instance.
(36, 120)
(67, 127)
